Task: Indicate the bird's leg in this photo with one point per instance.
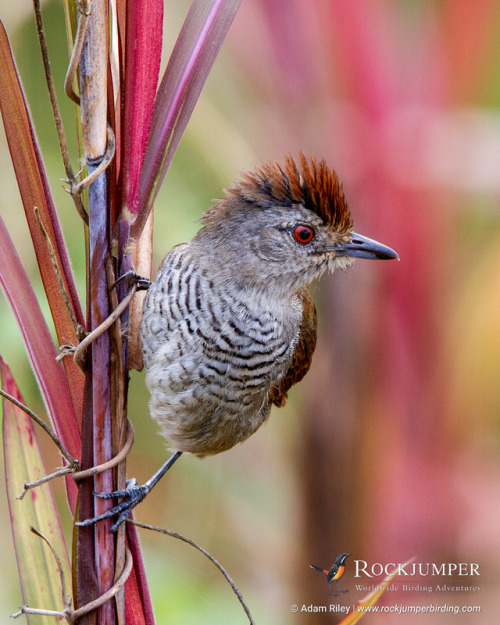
(133, 494)
(334, 594)
(340, 589)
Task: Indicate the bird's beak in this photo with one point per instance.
(363, 247)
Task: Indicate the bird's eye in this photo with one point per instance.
(303, 234)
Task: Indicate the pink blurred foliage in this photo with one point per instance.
(376, 76)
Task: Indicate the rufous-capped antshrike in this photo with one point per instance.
(228, 323)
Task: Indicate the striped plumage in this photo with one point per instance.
(228, 324)
(212, 355)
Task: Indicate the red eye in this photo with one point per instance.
(303, 234)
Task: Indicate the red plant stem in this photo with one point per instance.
(137, 583)
(85, 581)
(144, 26)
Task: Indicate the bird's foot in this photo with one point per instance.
(339, 592)
(133, 495)
(133, 277)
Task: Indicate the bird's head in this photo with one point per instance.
(341, 558)
(282, 227)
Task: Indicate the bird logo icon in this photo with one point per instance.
(335, 572)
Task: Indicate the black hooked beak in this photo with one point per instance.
(363, 247)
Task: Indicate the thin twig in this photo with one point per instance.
(66, 599)
(43, 480)
(56, 111)
(72, 461)
(60, 281)
(84, 9)
(40, 612)
(162, 530)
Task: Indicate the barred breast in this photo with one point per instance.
(212, 353)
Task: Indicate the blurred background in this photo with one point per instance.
(389, 448)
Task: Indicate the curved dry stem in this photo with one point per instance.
(109, 594)
(120, 457)
(79, 354)
(69, 615)
(106, 159)
(162, 530)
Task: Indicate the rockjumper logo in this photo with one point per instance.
(334, 573)
(416, 569)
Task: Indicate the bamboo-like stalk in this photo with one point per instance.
(93, 82)
(93, 99)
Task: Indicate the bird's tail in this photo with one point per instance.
(317, 568)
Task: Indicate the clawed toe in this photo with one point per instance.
(133, 494)
(133, 277)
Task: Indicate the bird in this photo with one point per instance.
(335, 572)
(229, 325)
